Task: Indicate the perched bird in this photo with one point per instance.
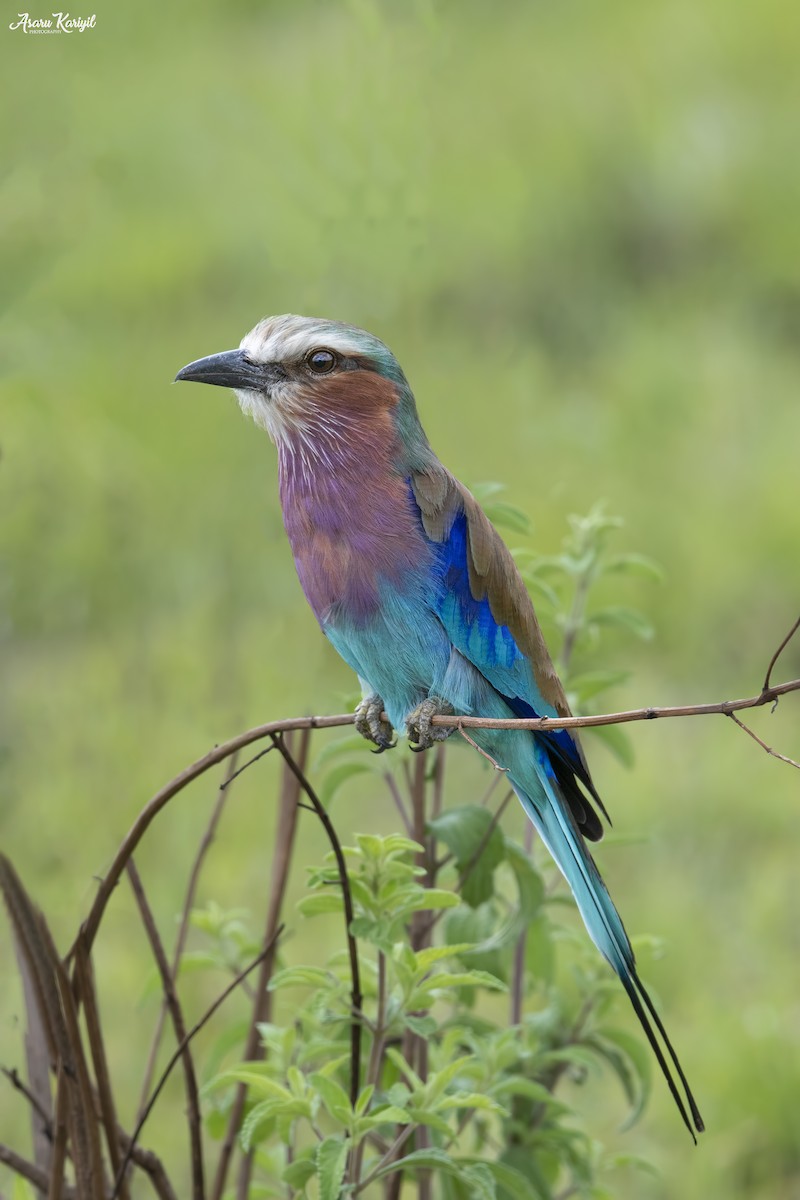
(418, 593)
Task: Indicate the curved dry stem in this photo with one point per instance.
(88, 930)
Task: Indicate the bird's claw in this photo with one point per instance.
(370, 723)
(422, 734)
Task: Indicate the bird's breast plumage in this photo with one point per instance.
(352, 526)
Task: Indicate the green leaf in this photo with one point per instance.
(21, 1189)
(592, 683)
(424, 1027)
(617, 616)
(353, 743)
(396, 844)
(540, 952)
(634, 564)
(300, 977)
(394, 1055)
(578, 1056)
(338, 776)
(513, 1182)
(479, 1180)
(466, 833)
(443, 1078)
(530, 897)
(331, 1159)
(477, 1100)
(542, 589)
(433, 954)
(258, 1123)
(320, 902)
(484, 489)
(469, 979)
(426, 899)
(431, 1159)
(258, 1081)
(634, 1162)
(632, 1066)
(507, 516)
(377, 932)
(617, 740)
(334, 1098)
(364, 1097)
(370, 845)
(298, 1173)
(426, 1116)
(388, 1114)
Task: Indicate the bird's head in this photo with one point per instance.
(307, 378)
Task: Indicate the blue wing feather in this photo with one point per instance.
(544, 775)
(492, 648)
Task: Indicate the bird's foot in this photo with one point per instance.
(371, 724)
(422, 734)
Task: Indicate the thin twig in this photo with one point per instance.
(349, 915)
(262, 1006)
(390, 1154)
(179, 1025)
(103, 1095)
(762, 744)
(394, 791)
(89, 928)
(726, 707)
(223, 792)
(16, 1081)
(778, 653)
(27, 1170)
(483, 753)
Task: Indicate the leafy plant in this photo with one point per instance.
(469, 1026)
(433, 1043)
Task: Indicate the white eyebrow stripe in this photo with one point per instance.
(283, 339)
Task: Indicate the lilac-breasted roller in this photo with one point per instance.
(418, 593)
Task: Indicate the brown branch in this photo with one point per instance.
(725, 707)
(149, 1162)
(27, 1170)
(178, 1024)
(288, 804)
(89, 928)
(349, 915)
(399, 803)
(183, 929)
(262, 1007)
(104, 1095)
(778, 653)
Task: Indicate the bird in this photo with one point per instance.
(418, 593)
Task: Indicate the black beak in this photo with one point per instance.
(230, 369)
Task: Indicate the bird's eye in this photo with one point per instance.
(321, 362)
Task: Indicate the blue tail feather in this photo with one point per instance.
(553, 821)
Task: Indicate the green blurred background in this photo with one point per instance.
(577, 226)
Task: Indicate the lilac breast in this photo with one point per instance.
(353, 529)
